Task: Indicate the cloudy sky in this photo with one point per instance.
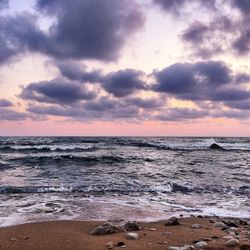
(125, 67)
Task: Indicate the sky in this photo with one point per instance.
(125, 67)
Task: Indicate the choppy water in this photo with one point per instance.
(46, 178)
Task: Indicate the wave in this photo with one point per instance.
(125, 190)
(41, 148)
(67, 159)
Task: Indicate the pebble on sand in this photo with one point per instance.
(232, 243)
(110, 245)
(186, 247)
(132, 226)
(173, 221)
(196, 226)
(200, 244)
(219, 224)
(106, 228)
(132, 236)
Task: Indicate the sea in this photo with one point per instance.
(132, 178)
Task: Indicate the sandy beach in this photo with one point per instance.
(153, 235)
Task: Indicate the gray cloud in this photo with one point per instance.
(182, 114)
(222, 33)
(57, 91)
(176, 7)
(188, 79)
(4, 4)
(204, 81)
(123, 82)
(5, 103)
(11, 115)
(92, 29)
(243, 105)
(20, 34)
(75, 71)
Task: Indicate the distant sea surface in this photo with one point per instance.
(142, 178)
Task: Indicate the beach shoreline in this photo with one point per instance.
(153, 235)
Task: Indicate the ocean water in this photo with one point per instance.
(141, 178)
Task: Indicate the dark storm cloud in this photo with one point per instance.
(92, 29)
(56, 91)
(230, 95)
(182, 114)
(11, 115)
(89, 29)
(242, 5)
(177, 6)
(151, 103)
(5, 103)
(76, 71)
(123, 82)
(101, 109)
(204, 81)
(208, 39)
(20, 34)
(222, 33)
(187, 78)
(242, 43)
(243, 105)
(4, 4)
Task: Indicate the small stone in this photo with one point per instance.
(215, 237)
(186, 247)
(228, 237)
(25, 237)
(167, 234)
(200, 244)
(243, 222)
(120, 243)
(110, 245)
(132, 226)
(132, 236)
(152, 229)
(14, 239)
(219, 224)
(232, 243)
(196, 226)
(163, 242)
(106, 229)
(173, 248)
(233, 229)
(173, 221)
(230, 224)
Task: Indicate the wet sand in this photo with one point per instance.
(154, 235)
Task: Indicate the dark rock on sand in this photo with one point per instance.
(245, 247)
(132, 226)
(106, 229)
(215, 146)
(230, 224)
(173, 221)
(120, 244)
